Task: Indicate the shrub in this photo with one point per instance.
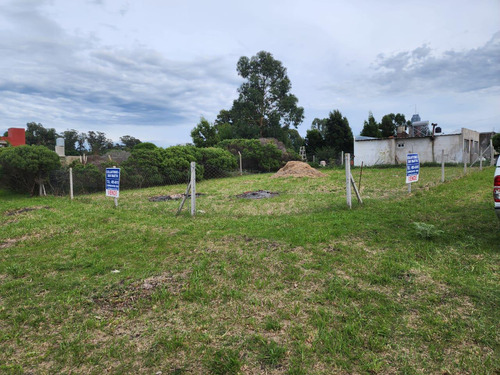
(255, 156)
(24, 167)
(216, 162)
(144, 146)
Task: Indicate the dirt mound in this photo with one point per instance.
(297, 169)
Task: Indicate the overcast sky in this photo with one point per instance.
(151, 68)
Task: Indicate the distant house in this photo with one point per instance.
(458, 147)
(15, 137)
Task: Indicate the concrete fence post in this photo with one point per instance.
(348, 179)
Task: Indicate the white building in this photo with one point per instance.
(460, 146)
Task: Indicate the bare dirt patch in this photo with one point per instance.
(259, 194)
(26, 209)
(298, 169)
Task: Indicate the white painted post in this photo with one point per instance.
(241, 165)
(71, 183)
(348, 178)
(442, 165)
(193, 188)
(480, 160)
(492, 153)
(116, 199)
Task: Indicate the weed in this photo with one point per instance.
(427, 231)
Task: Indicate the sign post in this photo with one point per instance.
(412, 169)
(113, 183)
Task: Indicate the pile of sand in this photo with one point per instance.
(297, 169)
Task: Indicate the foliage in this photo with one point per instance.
(314, 141)
(143, 168)
(427, 231)
(255, 155)
(265, 107)
(24, 167)
(294, 140)
(204, 134)
(216, 161)
(328, 137)
(37, 134)
(129, 142)
(98, 142)
(389, 124)
(371, 127)
(87, 178)
(145, 146)
(71, 138)
(496, 142)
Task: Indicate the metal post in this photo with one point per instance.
(71, 183)
(442, 165)
(342, 158)
(193, 188)
(348, 179)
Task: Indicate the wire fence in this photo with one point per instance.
(92, 179)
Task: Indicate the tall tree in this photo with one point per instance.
(265, 107)
(319, 124)
(70, 141)
(314, 141)
(371, 127)
(37, 134)
(204, 134)
(390, 122)
(338, 133)
(388, 126)
(98, 143)
(80, 142)
(129, 142)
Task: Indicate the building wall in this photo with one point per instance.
(393, 151)
(16, 136)
(374, 152)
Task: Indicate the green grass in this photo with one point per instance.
(296, 284)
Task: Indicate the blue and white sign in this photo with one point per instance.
(412, 168)
(113, 182)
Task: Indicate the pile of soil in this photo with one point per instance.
(297, 169)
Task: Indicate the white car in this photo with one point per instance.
(496, 188)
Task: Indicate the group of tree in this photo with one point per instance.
(385, 128)
(75, 142)
(328, 137)
(265, 107)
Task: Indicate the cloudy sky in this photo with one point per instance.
(152, 68)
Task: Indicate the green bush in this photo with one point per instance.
(87, 178)
(216, 162)
(255, 156)
(143, 168)
(144, 146)
(25, 167)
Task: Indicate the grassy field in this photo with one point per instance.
(296, 284)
